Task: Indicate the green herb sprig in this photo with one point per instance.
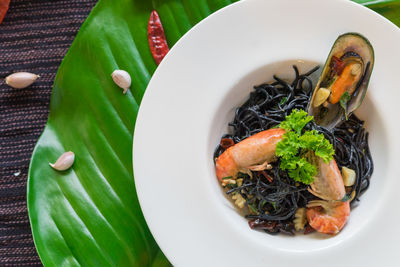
(343, 102)
(296, 145)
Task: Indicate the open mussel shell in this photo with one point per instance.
(347, 69)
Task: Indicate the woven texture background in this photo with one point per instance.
(34, 37)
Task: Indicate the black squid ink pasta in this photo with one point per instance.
(271, 196)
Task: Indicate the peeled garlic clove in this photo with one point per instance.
(321, 96)
(349, 176)
(64, 162)
(20, 80)
(300, 219)
(239, 200)
(122, 79)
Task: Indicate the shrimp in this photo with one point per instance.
(330, 214)
(327, 215)
(328, 183)
(252, 153)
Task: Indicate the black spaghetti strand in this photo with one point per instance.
(271, 195)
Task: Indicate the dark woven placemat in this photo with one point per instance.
(34, 37)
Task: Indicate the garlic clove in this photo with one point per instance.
(321, 96)
(239, 200)
(300, 220)
(122, 79)
(20, 80)
(64, 162)
(349, 176)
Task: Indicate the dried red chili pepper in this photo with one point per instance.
(267, 176)
(337, 65)
(156, 36)
(308, 230)
(226, 142)
(262, 225)
(3, 8)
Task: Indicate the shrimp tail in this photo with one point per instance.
(328, 217)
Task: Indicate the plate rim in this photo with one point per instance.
(182, 40)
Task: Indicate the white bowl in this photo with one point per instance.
(191, 99)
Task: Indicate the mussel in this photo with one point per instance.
(344, 80)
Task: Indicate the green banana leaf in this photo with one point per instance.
(90, 215)
(387, 8)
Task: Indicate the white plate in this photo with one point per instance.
(190, 100)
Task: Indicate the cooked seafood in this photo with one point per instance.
(344, 80)
(254, 153)
(325, 216)
(329, 215)
(292, 171)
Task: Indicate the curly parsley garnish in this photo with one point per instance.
(297, 144)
